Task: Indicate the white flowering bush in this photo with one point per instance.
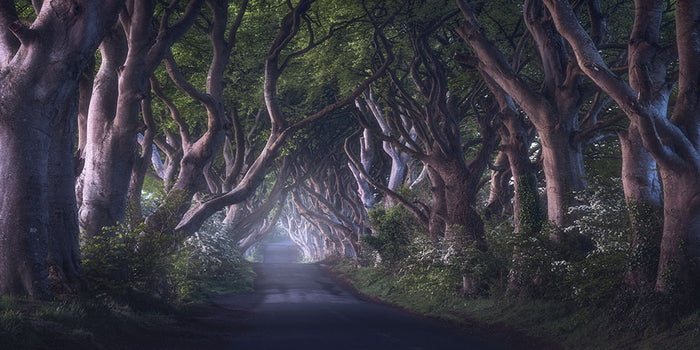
(426, 269)
(603, 217)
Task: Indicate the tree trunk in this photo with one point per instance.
(673, 142)
(40, 66)
(640, 177)
(129, 57)
(528, 213)
(366, 158)
(500, 192)
(64, 269)
(642, 188)
(24, 210)
(461, 220)
(553, 110)
(680, 244)
(563, 170)
(110, 147)
(438, 206)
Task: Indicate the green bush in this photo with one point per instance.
(536, 266)
(392, 230)
(210, 260)
(419, 264)
(125, 261)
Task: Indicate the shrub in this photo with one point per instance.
(122, 259)
(536, 265)
(126, 260)
(603, 217)
(391, 233)
(210, 259)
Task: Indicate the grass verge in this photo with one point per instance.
(542, 323)
(135, 321)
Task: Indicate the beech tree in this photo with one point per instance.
(672, 139)
(437, 143)
(367, 151)
(130, 54)
(198, 153)
(329, 201)
(40, 65)
(303, 234)
(262, 211)
(554, 109)
(398, 170)
(281, 127)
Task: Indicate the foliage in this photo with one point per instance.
(391, 233)
(536, 265)
(540, 267)
(538, 323)
(545, 268)
(210, 260)
(127, 260)
(121, 260)
(420, 265)
(532, 214)
(646, 226)
(429, 269)
(603, 217)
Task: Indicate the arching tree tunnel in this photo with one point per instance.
(543, 149)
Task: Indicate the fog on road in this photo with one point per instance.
(298, 306)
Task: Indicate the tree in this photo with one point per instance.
(435, 113)
(281, 127)
(40, 66)
(199, 153)
(130, 54)
(553, 110)
(672, 140)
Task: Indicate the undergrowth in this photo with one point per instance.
(572, 292)
(564, 323)
(139, 281)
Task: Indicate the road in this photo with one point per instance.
(298, 306)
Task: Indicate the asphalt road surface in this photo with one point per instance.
(298, 306)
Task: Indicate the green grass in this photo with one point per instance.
(564, 323)
(97, 322)
(29, 324)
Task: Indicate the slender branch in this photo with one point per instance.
(174, 111)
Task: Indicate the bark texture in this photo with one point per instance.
(130, 54)
(553, 110)
(673, 140)
(40, 67)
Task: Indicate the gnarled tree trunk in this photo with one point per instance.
(673, 142)
(40, 67)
